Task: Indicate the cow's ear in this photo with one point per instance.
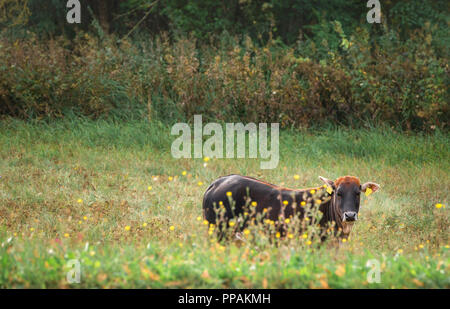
(328, 182)
(374, 187)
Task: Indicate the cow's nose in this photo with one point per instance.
(350, 216)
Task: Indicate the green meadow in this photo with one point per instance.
(111, 196)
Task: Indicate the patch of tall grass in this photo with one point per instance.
(111, 195)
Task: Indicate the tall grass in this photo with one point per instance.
(111, 195)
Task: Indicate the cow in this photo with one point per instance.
(338, 201)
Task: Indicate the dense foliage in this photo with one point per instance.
(297, 62)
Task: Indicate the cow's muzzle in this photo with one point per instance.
(350, 216)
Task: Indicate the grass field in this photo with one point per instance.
(112, 196)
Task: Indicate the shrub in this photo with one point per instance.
(356, 83)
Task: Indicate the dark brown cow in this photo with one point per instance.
(338, 200)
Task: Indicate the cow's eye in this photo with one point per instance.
(339, 194)
(358, 193)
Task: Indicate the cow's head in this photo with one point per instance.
(346, 198)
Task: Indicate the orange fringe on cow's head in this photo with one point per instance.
(347, 180)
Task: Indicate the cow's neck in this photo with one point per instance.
(331, 213)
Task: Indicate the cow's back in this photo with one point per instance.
(264, 194)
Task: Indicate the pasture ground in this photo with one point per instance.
(111, 196)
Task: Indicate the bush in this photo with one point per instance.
(356, 83)
(49, 80)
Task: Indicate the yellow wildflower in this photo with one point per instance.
(127, 228)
